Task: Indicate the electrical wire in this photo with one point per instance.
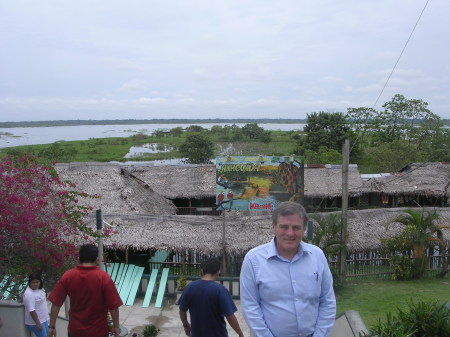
(398, 59)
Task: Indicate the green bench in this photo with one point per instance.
(127, 278)
(151, 287)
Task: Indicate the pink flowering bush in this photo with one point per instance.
(41, 220)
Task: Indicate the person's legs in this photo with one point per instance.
(42, 333)
(69, 335)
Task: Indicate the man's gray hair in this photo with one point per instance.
(289, 208)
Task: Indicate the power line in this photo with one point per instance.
(404, 47)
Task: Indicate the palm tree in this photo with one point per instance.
(421, 231)
(327, 233)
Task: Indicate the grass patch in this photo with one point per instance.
(374, 299)
(115, 149)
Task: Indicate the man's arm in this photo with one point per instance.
(115, 318)
(250, 302)
(232, 320)
(54, 311)
(184, 321)
(327, 304)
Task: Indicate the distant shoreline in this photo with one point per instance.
(26, 124)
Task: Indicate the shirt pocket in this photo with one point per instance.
(310, 282)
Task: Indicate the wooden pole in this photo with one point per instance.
(224, 246)
(98, 215)
(345, 165)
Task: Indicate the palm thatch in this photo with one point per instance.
(118, 193)
(173, 182)
(425, 179)
(204, 233)
(326, 182)
(199, 181)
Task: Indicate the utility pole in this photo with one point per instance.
(343, 253)
(98, 215)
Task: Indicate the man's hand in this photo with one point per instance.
(187, 330)
(51, 333)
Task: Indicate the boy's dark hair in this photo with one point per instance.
(35, 276)
(88, 253)
(211, 266)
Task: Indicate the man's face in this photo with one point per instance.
(289, 231)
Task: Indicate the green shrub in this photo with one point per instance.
(150, 331)
(181, 283)
(402, 267)
(420, 319)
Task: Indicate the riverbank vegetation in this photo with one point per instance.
(405, 131)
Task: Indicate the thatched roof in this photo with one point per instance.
(118, 193)
(173, 182)
(199, 181)
(204, 233)
(326, 182)
(427, 179)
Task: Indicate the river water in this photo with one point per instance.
(10, 137)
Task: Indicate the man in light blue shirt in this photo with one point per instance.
(286, 284)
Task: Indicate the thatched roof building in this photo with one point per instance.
(119, 194)
(324, 181)
(174, 182)
(425, 179)
(139, 200)
(204, 233)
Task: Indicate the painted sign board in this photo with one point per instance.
(252, 183)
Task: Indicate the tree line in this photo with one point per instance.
(405, 131)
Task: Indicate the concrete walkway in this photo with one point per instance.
(167, 319)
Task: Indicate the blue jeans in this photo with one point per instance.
(42, 333)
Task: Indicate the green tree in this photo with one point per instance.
(325, 129)
(176, 131)
(198, 148)
(390, 157)
(254, 131)
(405, 131)
(401, 116)
(421, 231)
(323, 156)
(402, 119)
(233, 133)
(194, 128)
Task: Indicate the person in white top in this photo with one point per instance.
(36, 310)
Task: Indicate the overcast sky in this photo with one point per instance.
(144, 59)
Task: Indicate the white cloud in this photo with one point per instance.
(287, 58)
(152, 100)
(133, 86)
